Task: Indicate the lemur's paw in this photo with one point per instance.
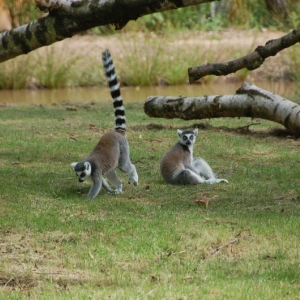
(215, 180)
(135, 183)
(115, 192)
(222, 180)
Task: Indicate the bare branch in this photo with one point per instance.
(250, 101)
(68, 17)
(251, 61)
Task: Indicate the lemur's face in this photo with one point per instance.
(187, 137)
(82, 170)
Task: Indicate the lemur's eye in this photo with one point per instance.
(191, 137)
(184, 138)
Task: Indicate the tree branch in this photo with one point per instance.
(68, 17)
(250, 101)
(251, 61)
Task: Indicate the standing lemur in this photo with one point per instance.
(112, 149)
(179, 167)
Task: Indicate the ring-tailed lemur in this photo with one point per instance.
(112, 149)
(179, 167)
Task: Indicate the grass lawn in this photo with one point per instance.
(153, 241)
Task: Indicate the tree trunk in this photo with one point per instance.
(278, 8)
(249, 101)
(68, 17)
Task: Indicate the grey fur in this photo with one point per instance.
(179, 167)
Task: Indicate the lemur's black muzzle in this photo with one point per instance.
(188, 142)
(80, 179)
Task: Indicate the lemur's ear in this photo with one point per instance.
(179, 132)
(73, 164)
(196, 132)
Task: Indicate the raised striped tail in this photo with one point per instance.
(114, 87)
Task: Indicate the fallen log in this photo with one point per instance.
(249, 101)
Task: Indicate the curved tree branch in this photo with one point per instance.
(68, 17)
(250, 101)
(251, 61)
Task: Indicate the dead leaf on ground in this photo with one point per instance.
(203, 202)
(71, 108)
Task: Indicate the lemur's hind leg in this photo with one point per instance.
(187, 176)
(133, 175)
(130, 169)
(204, 170)
(113, 178)
(126, 166)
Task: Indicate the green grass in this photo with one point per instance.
(152, 241)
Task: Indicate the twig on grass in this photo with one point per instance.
(236, 239)
(47, 273)
(121, 231)
(72, 138)
(139, 160)
(247, 126)
(6, 284)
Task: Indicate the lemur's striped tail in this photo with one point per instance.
(114, 87)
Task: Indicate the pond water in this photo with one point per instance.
(288, 90)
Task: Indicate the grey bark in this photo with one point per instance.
(249, 101)
(68, 17)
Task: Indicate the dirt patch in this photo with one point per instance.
(22, 283)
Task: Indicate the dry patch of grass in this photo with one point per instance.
(33, 258)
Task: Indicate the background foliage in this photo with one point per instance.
(162, 59)
(208, 16)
